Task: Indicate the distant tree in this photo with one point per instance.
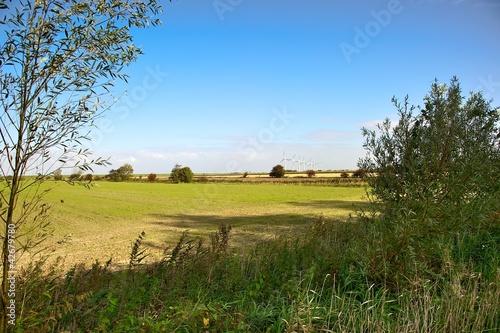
(59, 60)
(181, 174)
(277, 172)
(311, 173)
(344, 175)
(75, 176)
(152, 177)
(121, 174)
(58, 174)
(88, 177)
(360, 173)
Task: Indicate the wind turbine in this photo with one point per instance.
(293, 160)
(302, 163)
(283, 160)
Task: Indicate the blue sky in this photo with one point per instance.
(231, 85)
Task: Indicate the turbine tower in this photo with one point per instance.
(293, 160)
(283, 160)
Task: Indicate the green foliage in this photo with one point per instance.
(58, 61)
(181, 174)
(58, 174)
(360, 173)
(138, 254)
(431, 176)
(121, 174)
(76, 176)
(278, 171)
(312, 282)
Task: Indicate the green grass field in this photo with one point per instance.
(104, 221)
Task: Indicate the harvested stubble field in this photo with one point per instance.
(102, 222)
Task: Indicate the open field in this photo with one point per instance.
(104, 221)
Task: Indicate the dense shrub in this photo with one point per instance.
(121, 174)
(58, 174)
(311, 173)
(344, 175)
(181, 174)
(277, 172)
(152, 177)
(360, 173)
(75, 176)
(432, 177)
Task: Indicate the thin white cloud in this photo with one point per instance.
(129, 159)
(372, 124)
(326, 135)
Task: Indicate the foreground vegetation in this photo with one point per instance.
(329, 279)
(329, 273)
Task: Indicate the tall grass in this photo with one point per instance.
(321, 281)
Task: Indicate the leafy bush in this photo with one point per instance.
(344, 175)
(58, 174)
(360, 173)
(75, 176)
(311, 173)
(152, 177)
(277, 172)
(432, 176)
(123, 173)
(181, 174)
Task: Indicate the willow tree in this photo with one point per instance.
(434, 174)
(58, 62)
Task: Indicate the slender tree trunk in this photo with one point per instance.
(5, 257)
(9, 220)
